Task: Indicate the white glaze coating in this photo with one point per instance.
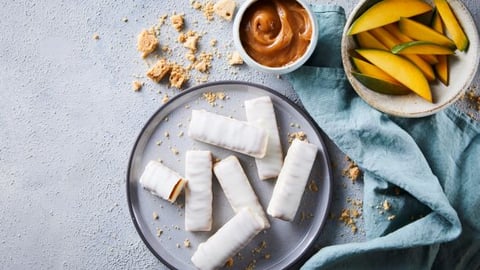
(161, 181)
(260, 113)
(198, 191)
(228, 240)
(291, 182)
(228, 133)
(237, 187)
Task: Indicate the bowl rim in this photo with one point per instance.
(275, 70)
(474, 40)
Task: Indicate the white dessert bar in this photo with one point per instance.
(260, 113)
(162, 181)
(228, 240)
(198, 191)
(237, 188)
(228, 133)
(291, 182)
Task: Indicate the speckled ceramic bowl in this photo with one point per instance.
(463, 67)
(275, 70)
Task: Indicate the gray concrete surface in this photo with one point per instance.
(69, 118)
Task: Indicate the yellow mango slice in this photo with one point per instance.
(442, 67)
(421, 47)
(419, 31)
(385, 12)
(401, 69)
(390, 41)
(453, 26)
(381, 86)
(393, 29)
(372, 70)
(368, 41)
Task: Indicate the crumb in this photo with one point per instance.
(212, 97)
(190, 56)
(225, 9)
(147, 42)
(204, 62)
(186, 243)
(165, 98)
(182, 37)
(235, 59)
(213, 42)
(96, 36)
(155, 216)
(159, 232)
(178, 76)
(159, 70)
(167, 135)
(313, 186)
(159, 143)
(178, 245)
(229, 262)
(162, 19)
(196, 5)
(177, 21)
(267, 256)
(297, 135)
(251, 265)
(208, 10)
(191, 42)
(137, 86)
(352, 171)
(174, 150)
(386, 205)
(125, 19)
(262, 246)
(180, 134)
(391, 217)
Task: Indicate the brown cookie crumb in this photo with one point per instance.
(137, 86)
(352, 171)
(159, 70)
(177, 21)
(386, 205)
(191, 42)
(96, 36)
(229, 262)
(154, 215)
(147, 42)
(208, 10)
(235, 59)
(297, 135)
(186, 243)
(204, 62)
(225, 9)
(178, 76)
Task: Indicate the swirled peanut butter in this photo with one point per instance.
(275, 33)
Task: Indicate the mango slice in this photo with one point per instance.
(442, 67)
(368, 41)
(371, 70)
(395, 31)
(385, 12)
(421, 47)
(452, 25)
(390, 41)
(419, 31)
(401, 69)
(381, 86)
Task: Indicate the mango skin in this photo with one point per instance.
(381, 86)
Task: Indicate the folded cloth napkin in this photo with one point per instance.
(426, 168)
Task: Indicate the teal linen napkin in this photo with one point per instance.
(426, 168)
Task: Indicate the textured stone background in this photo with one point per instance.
(68, 120)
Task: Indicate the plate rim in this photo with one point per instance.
(308, 250)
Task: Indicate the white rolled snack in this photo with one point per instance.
(198, 191)
(162, 181)
(228, 240)
(260, 113)
(237, 187)
(291, 182)
(232, 134)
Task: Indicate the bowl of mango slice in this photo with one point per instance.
(410, 58)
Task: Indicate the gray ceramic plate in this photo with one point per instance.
(285, 244)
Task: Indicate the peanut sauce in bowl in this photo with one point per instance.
(275, 36)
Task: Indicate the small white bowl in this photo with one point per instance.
(463, 67)
(267, 69)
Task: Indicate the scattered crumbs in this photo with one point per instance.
(177, 21)
(305, 216)
(159, 232)
(297, 135)
(347, 218)
(204, 62)
(174, 150)
(162, 19)
(160, 70)
(260, 248)
(473, 98)
(235, 59)
(137, 85)
(352, 171)
(96, 36)
(229, 262)
(313, 186)
(208, 10)
(186, 243)
(386, 205)
(165, 98)
(391, 217)
(147, 42)
(212, 97)
(251, 265)
(155, 216)
(225, 9)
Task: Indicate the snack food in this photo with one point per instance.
(198, 191)
(228, 240)
(237, 188)
(260, 113)
(291, 182)
(162, 181)
(228, 133)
